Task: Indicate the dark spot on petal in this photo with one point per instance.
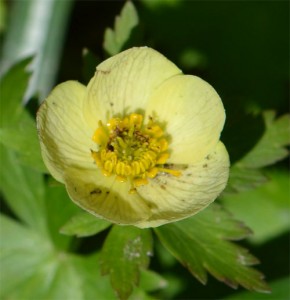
(104, 71)
(107, 192)
(111, 103)
(208, 157)
(96, 192)
(189, 174)
(168, 166)
(163, 187)
(204, 166)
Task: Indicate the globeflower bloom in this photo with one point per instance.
(140, 145)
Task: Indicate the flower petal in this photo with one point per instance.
(65, 137)
(193, 115)
(105, 197)
(174, 198)
(123, 83)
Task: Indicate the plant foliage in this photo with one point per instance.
(43, 233)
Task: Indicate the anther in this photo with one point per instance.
(130, 150)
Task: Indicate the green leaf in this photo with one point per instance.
(269, 202)
(244, 179)
(175, 285)
(22, 254)
(245, 174)
(139, 294)
(165, 258)
(202, 243)
(84, 224)
(59, 208)
(22, 138)
(151, 281)
(18, 130)
(12, 86)
(116, 40)
(24, 191)
(125, 252)
(271, 147)
(94, 286)
(280, 291)
(32, 269)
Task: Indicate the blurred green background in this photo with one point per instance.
(240, 47)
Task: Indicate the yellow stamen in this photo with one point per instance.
(152, 172)
(163, 158)
(121, 178)
(170, 171)
(100, 136)
(140, 181)
(130, 150)
(136, 119)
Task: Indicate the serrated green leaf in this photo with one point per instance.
(18, 130)
(125, 252)
(24, 191)
(245, 174)
(265, 209)
(115, 40)
(271, 147)
(202, 243)
(280, 291)
(84, 224)
(244, 179)
(12, 88)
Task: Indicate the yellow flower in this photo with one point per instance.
(140, 144)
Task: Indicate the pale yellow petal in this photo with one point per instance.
(174, 198)
(65, 137)
(192, 114)
(123, 83)
(105, 197)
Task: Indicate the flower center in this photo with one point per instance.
(131, 150)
